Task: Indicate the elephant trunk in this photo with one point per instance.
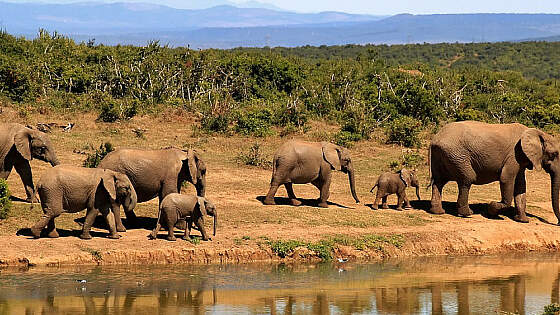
(555, 189)
(418, 192)
(130, 203)
(352, 179)
(215, 221)
(54, 160)
(201, 187)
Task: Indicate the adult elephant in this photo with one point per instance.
(298, 162)
(471, 152)
(156, 173)
(18, 146)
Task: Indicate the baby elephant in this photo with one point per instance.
(71, 189)
(176, 207)
(391, 183)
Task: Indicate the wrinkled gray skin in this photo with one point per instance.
(395, 183)
(298, 162)
(18, 146)
(70, 189)
(477, 153)
(176, 207)
(156, 173)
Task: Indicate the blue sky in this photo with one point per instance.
(381, 7)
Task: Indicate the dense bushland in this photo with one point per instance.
(399, 89)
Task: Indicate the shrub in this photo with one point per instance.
(255, 123)
(93, 159)
(551, 309)
(346, 138)
(5, 202)
(471, 114)
(405, 131)
(219, 123)
(254, 157)
(112, 111)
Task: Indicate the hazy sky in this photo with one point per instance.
(382, 7)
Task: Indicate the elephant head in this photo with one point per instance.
(120, 189)
(31, 143)
(196, 170)
(410, 180)
(542, 151)
(339, 159)
(207, 207)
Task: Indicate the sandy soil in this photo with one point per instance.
(246, 226)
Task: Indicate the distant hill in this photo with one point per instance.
(91, 19)
(228, 26)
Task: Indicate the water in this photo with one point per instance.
(476, 285)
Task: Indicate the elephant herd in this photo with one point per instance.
(469, 153)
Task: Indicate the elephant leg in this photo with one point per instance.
(437, 189)
(90, 218)
(406, 201)
(117, 216)
(378, 197)
(384, 204)
(40, 225)
(171, 229)
(400, 201)
(200, 224)
(110, 218)
(24, 171)
(51, 229)
(520, 190)
(463, 200)
(506, 190)
(155, 232)
(291, 195)
(188, 228)
(324, 186)
(269, 199)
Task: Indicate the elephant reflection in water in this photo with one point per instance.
(512, 295)
(399, 300)
(555, 294)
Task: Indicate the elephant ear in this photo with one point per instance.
(191, 163)
(202, 205)
(108, 180)
(331, 155)
(532, 144)
(406, 176)
(22, 141)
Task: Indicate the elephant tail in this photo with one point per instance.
(372, 188)
(430, 168)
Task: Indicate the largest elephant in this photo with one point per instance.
(156, 173)
(476, 153)
(298, 162)
(18, 146)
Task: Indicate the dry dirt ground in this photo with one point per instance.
(247, 227)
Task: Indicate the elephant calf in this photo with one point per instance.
(176, 207)
(395, 183)
(71, 189)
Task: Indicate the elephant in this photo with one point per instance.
(471, 152)
(156, 173)
(71, 189)
(18, 146)
(175, 207)
(395, 183)
(298, 162)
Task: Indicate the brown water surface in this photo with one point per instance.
(472, 285)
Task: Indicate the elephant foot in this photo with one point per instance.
(465, 212)
(494, 208)
(437, 210)
(323, 205)
(521, 219)
(408, 207)
(114, 236)
(384, 207)
(295, 202)
(36, 232)
(171, 238)
(85, 236)
(121, 228)
(53, 234)
(186, 238)
(374, 207)
(152, 236)
(32, 200)
(399, 209)
(269, 202)
(207, 239)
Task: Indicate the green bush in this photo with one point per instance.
(93, 159)
(254, 157)
(405, 131)
(113, 110)
(471, 114)
(551, 309)
(346, 138)
(256, 122)
(5, 202)
(219, 123)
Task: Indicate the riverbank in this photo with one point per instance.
(251, 232)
